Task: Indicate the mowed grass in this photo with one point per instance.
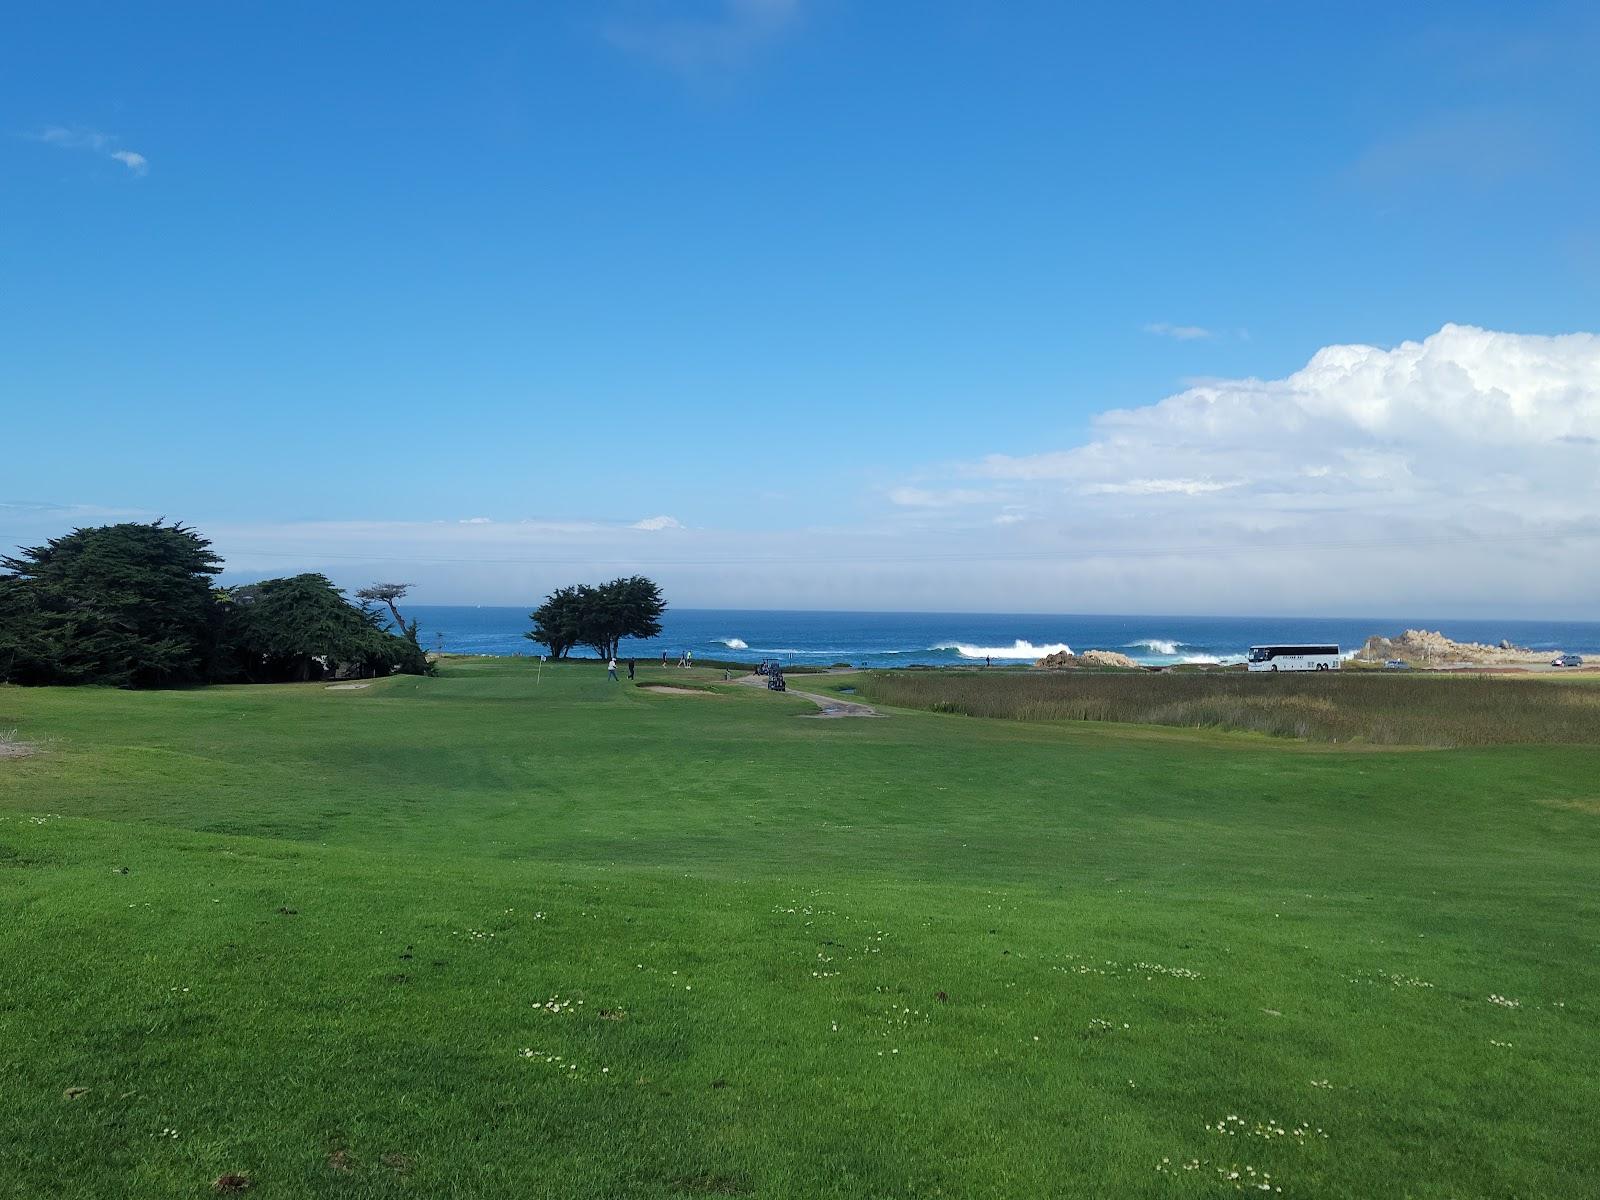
(482, 936)
(1370, 706)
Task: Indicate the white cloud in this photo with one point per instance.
(1437, 416)
(476, 521)
(84, 139)
(692, 45)
(137, 163)
(95, 142)
(1160, 487)
(1429, 466)
(1182, 333)
(1452, 476)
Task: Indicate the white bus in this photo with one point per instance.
(1293, 658)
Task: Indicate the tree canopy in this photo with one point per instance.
(128, 605)
(558, 622)
(389, 595)
(135, 605)
(302, 627)
(598, 616)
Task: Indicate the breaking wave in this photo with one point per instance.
(1155, 645)
(735, 643)
(1017, 650)
(1213, 660)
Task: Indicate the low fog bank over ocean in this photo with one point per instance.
(946, 639)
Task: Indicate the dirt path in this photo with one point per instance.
(831, 706)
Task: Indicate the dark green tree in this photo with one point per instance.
(128, 605)
(302, 628)
(598, 617)
(558, 623)
(629, 607)
(26, 654)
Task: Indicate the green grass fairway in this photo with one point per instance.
(490, 936)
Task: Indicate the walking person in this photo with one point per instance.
(688, 658)
(611, 670)
(630, 668)
(663, 658)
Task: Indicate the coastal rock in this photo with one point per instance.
(1425, 647)
(1089, 658)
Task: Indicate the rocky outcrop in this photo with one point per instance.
(1089, 658)
(1427, 648)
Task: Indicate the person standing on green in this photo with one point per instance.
(611, 670)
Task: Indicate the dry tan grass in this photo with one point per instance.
(1361, 707)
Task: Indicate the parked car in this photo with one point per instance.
(1567, 660)
(1396, 664)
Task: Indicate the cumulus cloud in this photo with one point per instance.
(1438, 418)
(1427, 462)
(1452, 476)
(92, 140)
(729, 37)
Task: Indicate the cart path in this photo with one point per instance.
(831, 706)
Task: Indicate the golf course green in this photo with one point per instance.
(512, 932)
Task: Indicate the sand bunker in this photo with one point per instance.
(15, 749)
(658, 688)
(347, 687)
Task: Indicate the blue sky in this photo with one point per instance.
(330, 281)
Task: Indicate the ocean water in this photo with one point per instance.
(946, 639)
